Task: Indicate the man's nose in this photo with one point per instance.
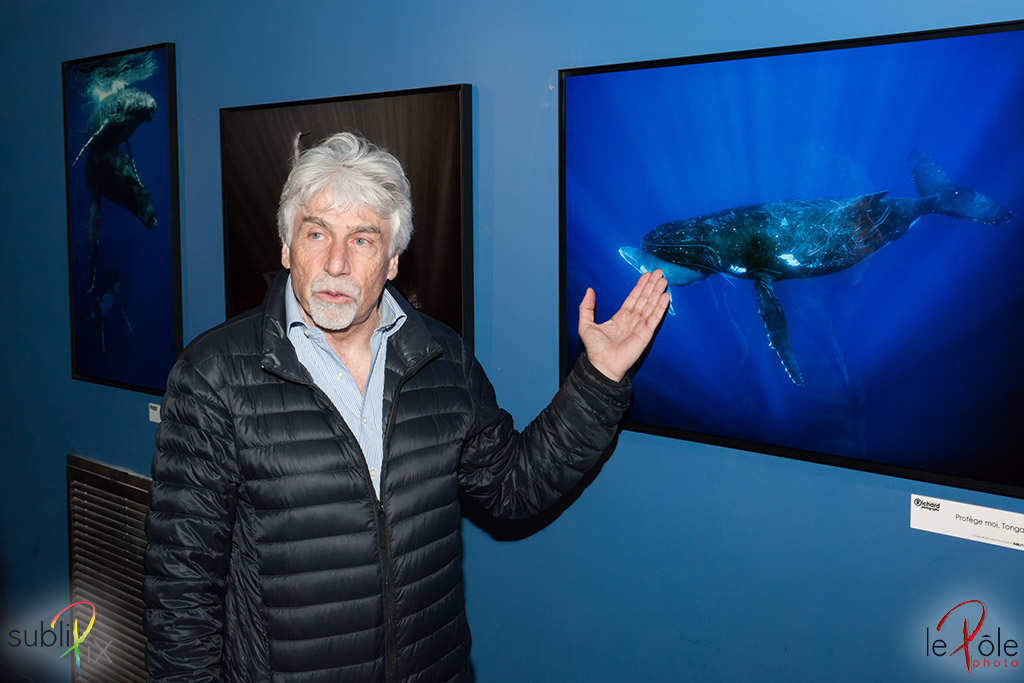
(337, 263)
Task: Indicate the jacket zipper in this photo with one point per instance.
(384, 548)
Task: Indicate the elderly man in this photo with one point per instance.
(304, 512)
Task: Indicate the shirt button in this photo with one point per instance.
(340, 376)
(305, 332)
(373, 473)
(365, 420)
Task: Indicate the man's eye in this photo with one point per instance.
(316, 235)
(361, 241)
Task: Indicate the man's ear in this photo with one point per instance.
(392, 266)
(286, 256)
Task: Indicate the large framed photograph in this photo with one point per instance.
(428, 129)
(121, 149)
(841, 225)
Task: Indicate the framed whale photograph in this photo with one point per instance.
(121, 164)
(840, 225)
(427, 129)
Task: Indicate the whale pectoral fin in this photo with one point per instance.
(770, 309)
(87, 143)
(81, 152)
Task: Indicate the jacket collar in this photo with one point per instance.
(413, 344)
(408, 347)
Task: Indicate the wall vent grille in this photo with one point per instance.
(107, 538)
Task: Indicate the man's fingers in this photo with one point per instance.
(659, 297)
(634, 294)
(648, 289)
(647, 284)
(648, 300)
(657, 309)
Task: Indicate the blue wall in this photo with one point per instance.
(681, 560)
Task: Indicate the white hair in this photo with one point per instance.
(357, 173)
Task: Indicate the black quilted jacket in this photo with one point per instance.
(270, 557)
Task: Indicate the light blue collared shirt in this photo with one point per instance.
(362, 412)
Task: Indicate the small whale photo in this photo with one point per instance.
(121, 179)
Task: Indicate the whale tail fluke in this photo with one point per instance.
(962, 202)
(950, 199)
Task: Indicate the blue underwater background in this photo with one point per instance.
(124, 332)
(912, 357)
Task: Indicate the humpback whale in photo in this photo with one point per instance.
(110, 169)
(801, 238)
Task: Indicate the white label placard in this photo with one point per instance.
(972, 522)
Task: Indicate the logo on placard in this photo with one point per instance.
(926, 504)
(993, 649)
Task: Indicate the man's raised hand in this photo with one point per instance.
(614, 346)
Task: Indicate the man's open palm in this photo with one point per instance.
(614, 346)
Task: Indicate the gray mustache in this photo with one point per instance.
(338, 285)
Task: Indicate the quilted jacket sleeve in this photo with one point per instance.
(516, 475)
(191, 513)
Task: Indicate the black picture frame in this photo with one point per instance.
(124, 260)
(428, 129)
(906, 362)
